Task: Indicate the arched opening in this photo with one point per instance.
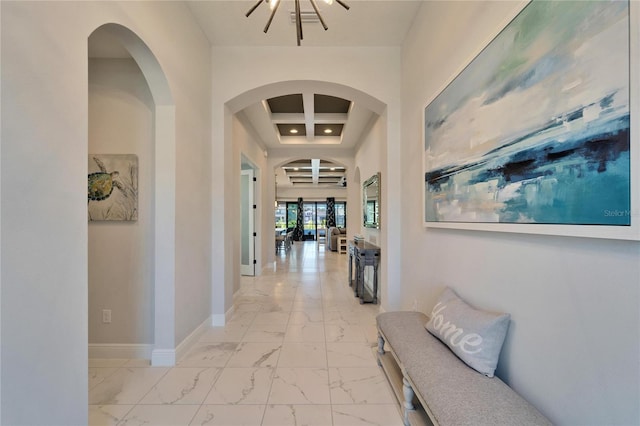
(131, 111)
(240, 106)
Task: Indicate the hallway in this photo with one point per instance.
(299, 349)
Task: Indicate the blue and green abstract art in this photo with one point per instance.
(536, 128)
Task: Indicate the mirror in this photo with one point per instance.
(371, 202)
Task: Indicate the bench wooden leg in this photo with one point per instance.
(380, 348)
(408, 399)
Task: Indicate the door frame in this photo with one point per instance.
(248, 236)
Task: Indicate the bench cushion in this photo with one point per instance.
(455, 394)
(474, 335)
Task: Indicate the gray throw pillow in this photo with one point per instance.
(475, 336)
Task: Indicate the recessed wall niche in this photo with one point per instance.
(120, 276)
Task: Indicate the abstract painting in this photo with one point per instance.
(536, 128)
(112, 190)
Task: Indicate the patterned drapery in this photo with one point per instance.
(331, 212)
(299, 231)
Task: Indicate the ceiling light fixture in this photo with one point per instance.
(328, 131)
(273, 5)
(294, 131)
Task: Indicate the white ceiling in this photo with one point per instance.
(366, 23)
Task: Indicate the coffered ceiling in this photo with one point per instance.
(301, 120)
(325, 117)
(313, 172)
(307, 120)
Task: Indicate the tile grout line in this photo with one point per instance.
(298, 295)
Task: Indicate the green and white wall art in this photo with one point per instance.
(112, 191)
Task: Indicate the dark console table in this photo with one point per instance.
(363, 254)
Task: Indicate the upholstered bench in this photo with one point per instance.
(433, 386)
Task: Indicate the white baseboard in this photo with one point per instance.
(163, 358)
(219, 320)
(159, 357)
(192, 338)
(120, 351)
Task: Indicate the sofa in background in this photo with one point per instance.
(333, 233)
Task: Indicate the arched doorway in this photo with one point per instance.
(227, 276)
(160, 254)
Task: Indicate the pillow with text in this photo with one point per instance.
(474, 335)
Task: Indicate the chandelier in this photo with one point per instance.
(273, 5)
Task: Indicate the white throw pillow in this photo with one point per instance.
(475, 336)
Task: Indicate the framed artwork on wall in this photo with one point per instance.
(535, 134)
(112, 190)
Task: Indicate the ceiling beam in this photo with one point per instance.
(301, 140)
(315, 169)
(309, 114)
(288, 118)
(299, 118)
(333, 118)
(302, 173)
(302, 165)
(267, 110)
(299, 163)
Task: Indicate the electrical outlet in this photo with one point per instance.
(106, 316)
(414, 307)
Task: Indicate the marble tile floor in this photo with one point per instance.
(298, 350)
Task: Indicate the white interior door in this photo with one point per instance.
(247, 246)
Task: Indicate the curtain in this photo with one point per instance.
(299, 231)
(331, 212)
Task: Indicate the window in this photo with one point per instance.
(314, 217)
(321, 209)
(309, 221)
(286, 215)
(281, 216)
(292, 215)
(341, 214)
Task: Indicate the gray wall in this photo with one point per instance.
(573, 344)
(121, 253)
(44, 214)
